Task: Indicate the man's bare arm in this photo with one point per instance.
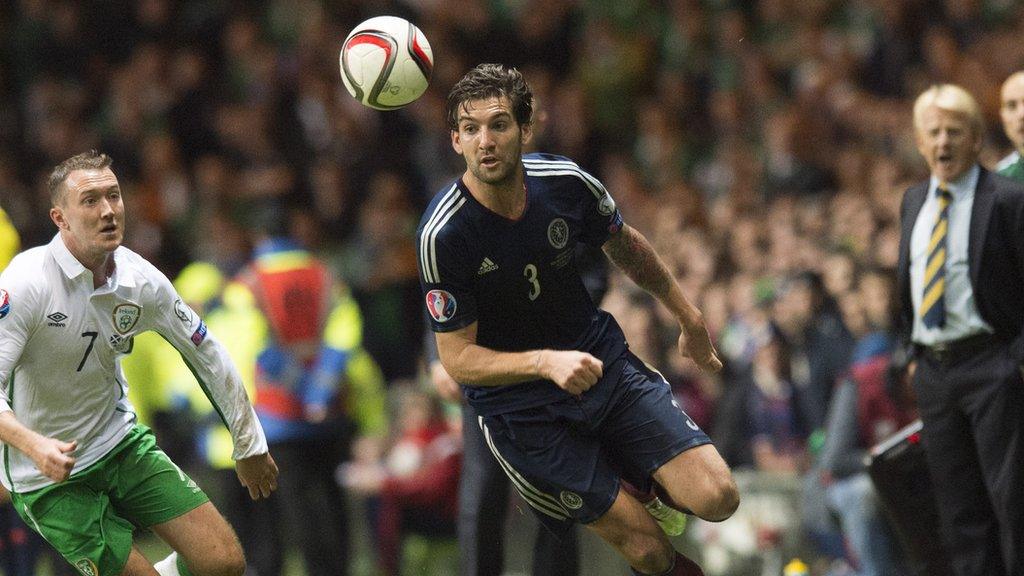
(469, 363)
(635, 256)
(51, 456)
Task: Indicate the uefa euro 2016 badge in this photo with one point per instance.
(441, 305)
(199, 336)
(126, 316)
(5, 303)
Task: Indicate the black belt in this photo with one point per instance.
(957, 350)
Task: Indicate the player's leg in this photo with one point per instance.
(671, 520)
(631, 530)
(138, 565)
(77, 518)
(151, 491)
(699, 480)
(204, 542)
(483, 508)
(636, 536)
(557, 465)
(647, 435)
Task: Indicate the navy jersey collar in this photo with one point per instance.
(477, 205)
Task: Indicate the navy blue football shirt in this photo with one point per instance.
(518, 278)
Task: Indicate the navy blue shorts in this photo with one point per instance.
(566, 458)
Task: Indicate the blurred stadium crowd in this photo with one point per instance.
(762, 145)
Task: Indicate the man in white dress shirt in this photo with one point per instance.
(961, 285)
(81, 470)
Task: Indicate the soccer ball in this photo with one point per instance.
(386, 62)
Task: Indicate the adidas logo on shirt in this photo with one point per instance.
(486, 266)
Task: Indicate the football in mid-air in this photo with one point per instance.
(386, 62)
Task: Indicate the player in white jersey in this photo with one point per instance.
(82, 471)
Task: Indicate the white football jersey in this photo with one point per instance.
(60, 346)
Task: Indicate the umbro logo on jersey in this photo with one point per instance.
(57, 319)
(486, 266)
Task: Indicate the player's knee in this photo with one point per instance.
(233, 566)
(721, 500)
(233, 562)
(227, 561)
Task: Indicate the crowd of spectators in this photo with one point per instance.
(762, 145)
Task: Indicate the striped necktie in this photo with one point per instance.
(933, 306)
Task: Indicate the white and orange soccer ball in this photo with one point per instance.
(386, 62)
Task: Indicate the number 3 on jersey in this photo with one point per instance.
(530, 272)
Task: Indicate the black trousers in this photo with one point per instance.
(483, 508)
(307, 502)
(972, 408)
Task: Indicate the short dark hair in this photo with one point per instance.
(489, 81)
(91, 160)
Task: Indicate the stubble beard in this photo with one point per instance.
(496, 178)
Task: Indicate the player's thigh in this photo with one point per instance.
(644, 427)
(647, 434)
(153, 492)
(148, 487)
(204, 539)
(699, 480)
(81, 523)
(559, 470)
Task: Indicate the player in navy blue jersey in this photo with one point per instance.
(565, 407)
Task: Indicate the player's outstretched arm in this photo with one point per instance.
(51, 456)
(635, 256)
(469, 363)
(257, 473)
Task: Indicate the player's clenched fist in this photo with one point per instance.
(53, 458)
(571, 370)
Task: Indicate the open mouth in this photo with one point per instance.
(109, 229)
(489, 161)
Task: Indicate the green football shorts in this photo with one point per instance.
(89, 518)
